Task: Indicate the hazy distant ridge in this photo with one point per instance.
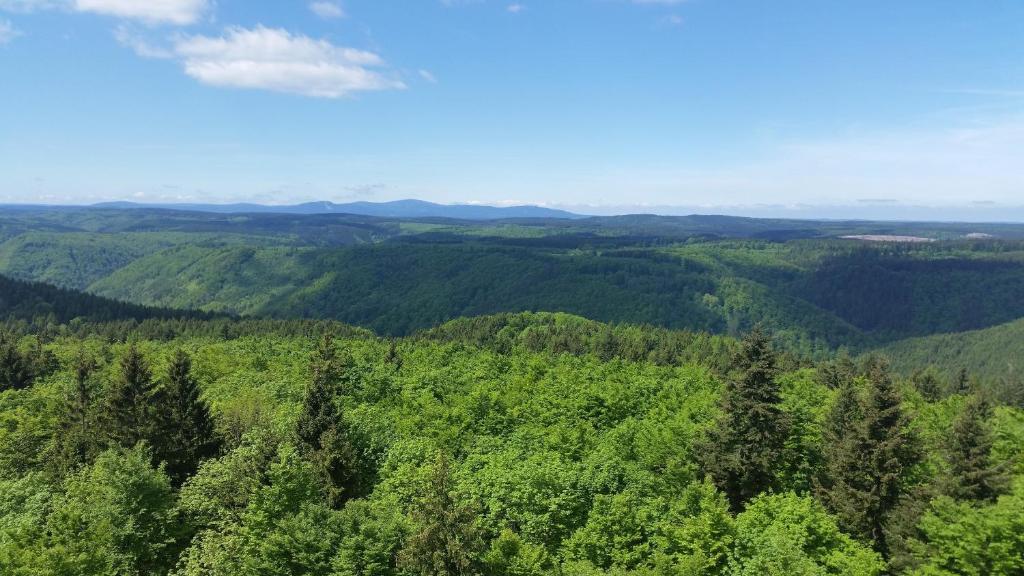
(395, 209)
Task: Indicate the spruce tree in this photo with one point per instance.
(183, 434)
(974, 475)
(844, 484)
(77, 441)
(321, 436)
(927, 383)
(963, 383)
(447, 540)
(128, 410)
(870, 452)
(15, 369)
(745, 446)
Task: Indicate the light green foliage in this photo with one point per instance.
(790, 535)
(118, 516)
(970, 540)
(562, 462)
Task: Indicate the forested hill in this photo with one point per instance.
(551, 449)
(29, 301)
(816, 290)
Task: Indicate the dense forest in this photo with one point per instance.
(816, 291)
(714, 406)
(522, 444)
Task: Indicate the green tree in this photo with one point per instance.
(974, 475)
(320, 431)
(117, 516)
(790, 535)
(446, 540)
(128, 409)
(745, 446)
(869, 456)
(184, 433)
(962, 538)
(15, 369)
(77, 440)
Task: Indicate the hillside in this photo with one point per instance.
(817, 292)
(991, 354)
(28, 301)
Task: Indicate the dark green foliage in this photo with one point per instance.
(321, 433)
(15, 369)
(446, 540)
(128, 415)
(79, 436)
(974, 475)
(870, 456)
(183, 430)
(928, 384)
(31, 300)
(746, 445)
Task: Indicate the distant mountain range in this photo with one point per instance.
(395, 209)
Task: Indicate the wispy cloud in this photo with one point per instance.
(7, 32)
(515, 8)
(178, 12)
(327, 10)
(428, 76)
(174, 12)
(276, 60)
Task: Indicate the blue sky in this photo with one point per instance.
(605, 105)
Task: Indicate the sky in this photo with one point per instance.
(812, 107)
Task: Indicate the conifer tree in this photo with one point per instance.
(892, 448)
(319, 430)
(963, 382)
(15, 369)
(746, 444)
(128, 409)
(77, 441)
(844, 484)
(447, 540)
(974, 475)
(927, 383)
(183, 434)
(869, 454)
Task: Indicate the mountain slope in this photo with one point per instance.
(29, 300)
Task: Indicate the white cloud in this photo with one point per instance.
(7, 32)
(428, 76)
(327, 10)
(273, 59)
(179, 12)
(515, 8)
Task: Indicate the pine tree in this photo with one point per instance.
(128, 411)
(746, 444)
(319, 431)
(77, 441)
(963, 383)
(974, 476)
(447, 540)
(844, 484)
(184, 433)
(870, 452)
(927, 383)
(15, 369)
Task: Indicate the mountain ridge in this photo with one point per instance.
(408, 208)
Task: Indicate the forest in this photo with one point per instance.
(519, 444)
(509, 398)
